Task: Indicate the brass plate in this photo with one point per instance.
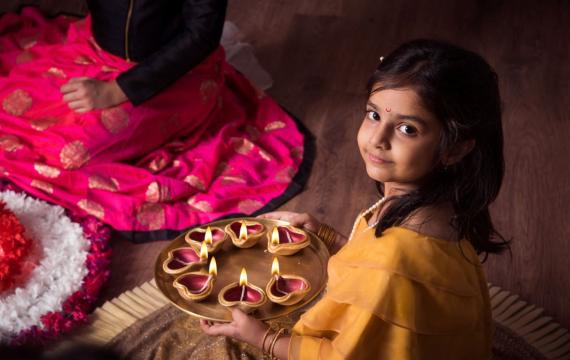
(310, 263)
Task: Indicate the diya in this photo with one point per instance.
(286, 240)
(213, 237)
(245, 233)
(245, 296)
(184, 258)
(286, 289)
(196, 286)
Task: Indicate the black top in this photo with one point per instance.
(166, 38)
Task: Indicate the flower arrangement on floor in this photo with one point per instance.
(52, 266)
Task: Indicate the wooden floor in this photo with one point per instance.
(320, 53)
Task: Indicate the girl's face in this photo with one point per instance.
(398, 138)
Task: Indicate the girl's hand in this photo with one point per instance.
(306, 221)
(243, 328)
(85, 94)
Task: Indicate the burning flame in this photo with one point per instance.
(213, 267)
(275, 267)
(243, 231)
(243, 277)
(275, 236)
(208, 236)
(203, 251)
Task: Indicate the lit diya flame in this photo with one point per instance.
(182, 259)
(286, 240)
(244, 295)
(286, 289)
(213, 237)
(204, 251)
(208, 236)
(197, 286)
(245, 233)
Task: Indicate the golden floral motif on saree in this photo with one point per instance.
(285, 175)
(115, 119)
(151, 216)
(157, 164)
(56, 72)
(208, 89)
(83, 60)
(27, 42)
(157, 193)
(10, 143)
(249, 206)
(24, 57)
(73, 155)
(229, 180)
(103, 183)
(196, 182)
(242, 146)
(43, 123)
(275, 125)
(265, 155)
(46, 170)
(42, 185)
(92, 208)
(17, 103)
(106, 68)
(203, 205)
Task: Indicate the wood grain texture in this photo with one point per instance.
(320, 54)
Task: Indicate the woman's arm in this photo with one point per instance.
(203, 25)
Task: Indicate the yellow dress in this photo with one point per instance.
(403, 295)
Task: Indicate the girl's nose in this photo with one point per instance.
(381, 137)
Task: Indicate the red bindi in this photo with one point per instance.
(388, 109)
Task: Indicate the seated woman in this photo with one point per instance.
(132, 115)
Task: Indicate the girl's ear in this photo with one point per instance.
(458, 152)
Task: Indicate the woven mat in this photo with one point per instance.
(141, 324)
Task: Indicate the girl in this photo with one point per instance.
(407, 283)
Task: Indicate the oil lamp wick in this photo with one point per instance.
(242, 293)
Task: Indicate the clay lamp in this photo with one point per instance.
(286, 289)
(245, 296)
(196, 286)
(184, 258)
(213, 237)
(245, 233)
(286, 240)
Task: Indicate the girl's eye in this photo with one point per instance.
(407, 129)
(372, 115)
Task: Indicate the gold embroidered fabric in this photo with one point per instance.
(171, 334)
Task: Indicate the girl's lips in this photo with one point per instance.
(377, 160)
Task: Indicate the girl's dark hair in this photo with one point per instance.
(461, 90)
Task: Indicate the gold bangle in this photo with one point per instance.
(263, 341)
(327, 234)
(273, 342)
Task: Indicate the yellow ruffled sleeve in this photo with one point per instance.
(399, 296)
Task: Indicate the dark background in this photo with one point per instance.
(320, 53)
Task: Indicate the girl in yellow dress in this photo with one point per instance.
(408, 283)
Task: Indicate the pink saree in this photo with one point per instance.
(208, 146)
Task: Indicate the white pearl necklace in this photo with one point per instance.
(363, 214)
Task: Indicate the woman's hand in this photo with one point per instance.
(85, 94)
(305, 221)
(243, 328)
